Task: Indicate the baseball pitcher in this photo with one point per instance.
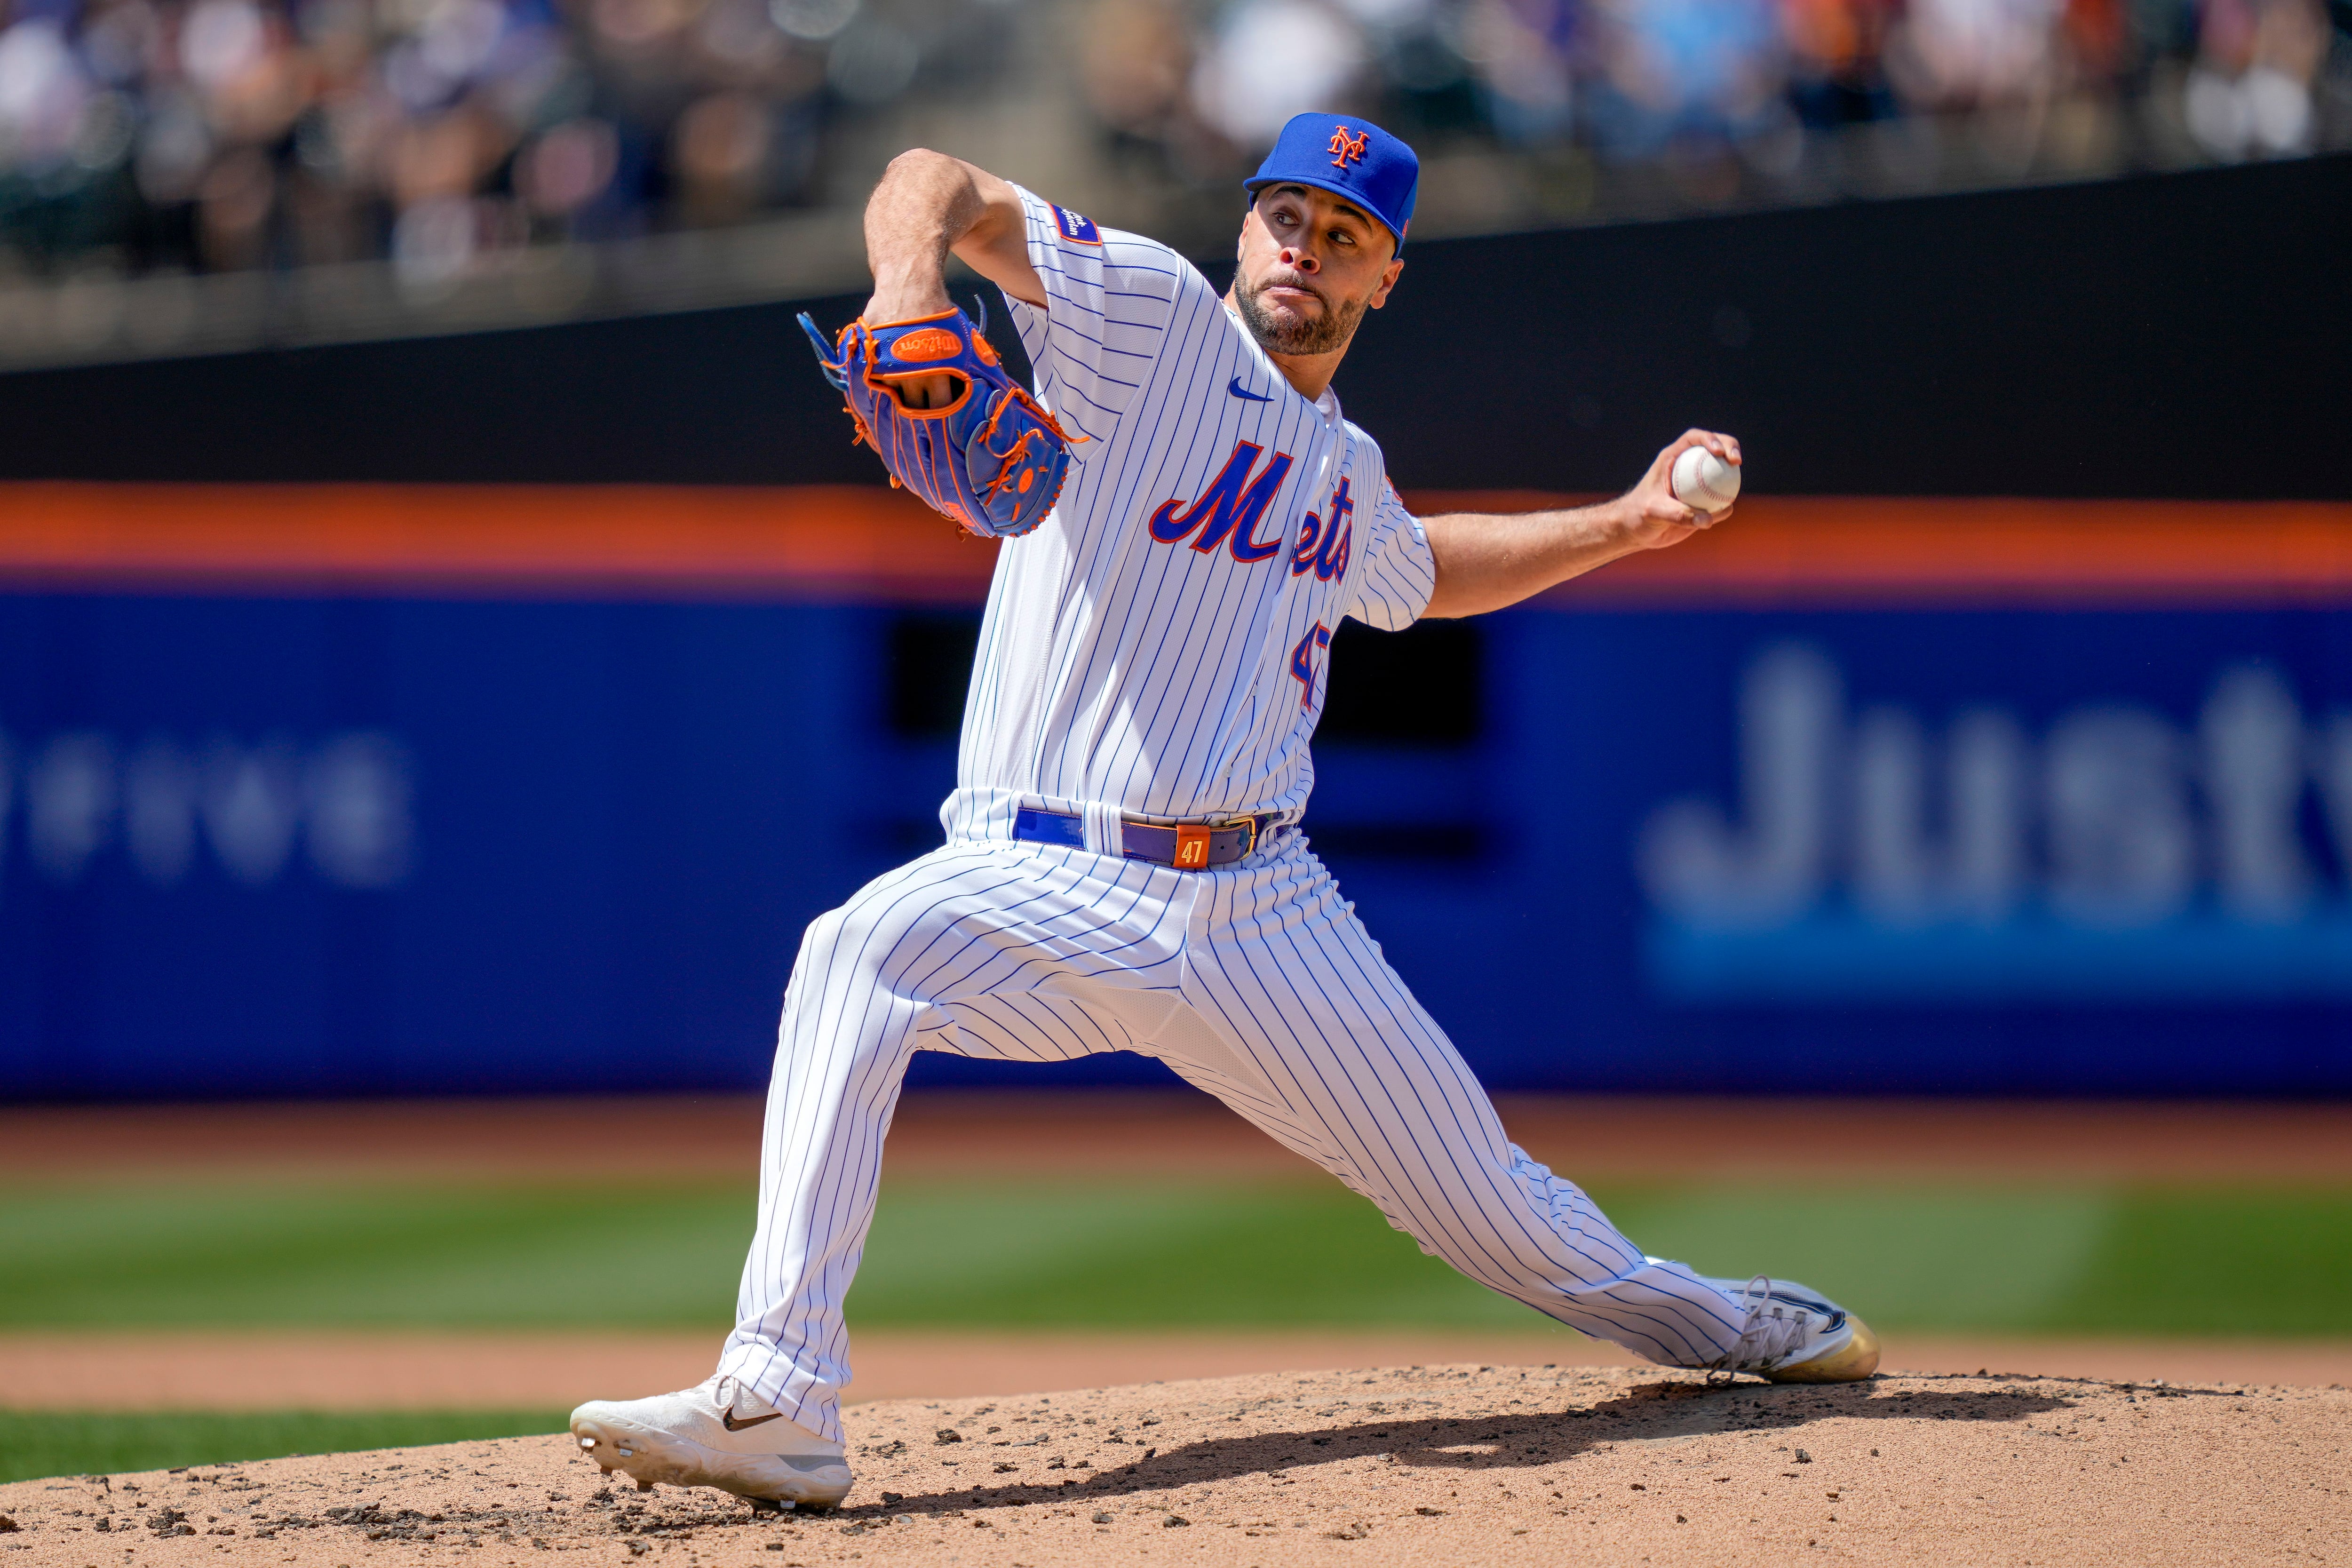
(1186, 517)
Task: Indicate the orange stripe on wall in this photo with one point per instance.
(801, 542)
(1794, 550)
(861, 543)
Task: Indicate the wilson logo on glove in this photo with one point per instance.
(990, 459)
(927, 343)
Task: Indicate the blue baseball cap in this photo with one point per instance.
(1349, 157)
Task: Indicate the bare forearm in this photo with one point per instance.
(926, 203)
(1487, 561)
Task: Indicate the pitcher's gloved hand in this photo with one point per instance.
(988, 457)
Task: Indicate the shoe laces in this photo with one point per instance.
(1771, 1331)
(725, 1391)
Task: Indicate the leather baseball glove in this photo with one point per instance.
(990, 459)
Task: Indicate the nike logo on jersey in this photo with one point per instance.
(1238, 390)
(727, 1419)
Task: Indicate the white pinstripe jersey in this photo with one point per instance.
(1157, 645)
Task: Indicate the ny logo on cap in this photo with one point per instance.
(1345, 147)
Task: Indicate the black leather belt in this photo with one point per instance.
(1188, 847)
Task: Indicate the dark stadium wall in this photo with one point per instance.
(2179, 335)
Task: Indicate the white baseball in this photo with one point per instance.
(1704, 481)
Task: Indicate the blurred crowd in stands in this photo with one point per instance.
(219, 134)
(1637, 78)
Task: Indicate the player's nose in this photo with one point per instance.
(1300, 259)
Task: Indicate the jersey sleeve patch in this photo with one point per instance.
(1075, 229)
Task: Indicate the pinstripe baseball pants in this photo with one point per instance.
(1255, 983)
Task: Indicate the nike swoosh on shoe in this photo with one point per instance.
(727, 1419)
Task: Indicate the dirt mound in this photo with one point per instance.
(1421, 1464)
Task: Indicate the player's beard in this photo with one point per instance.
(1321, 334)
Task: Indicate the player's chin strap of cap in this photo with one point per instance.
(1186, 846)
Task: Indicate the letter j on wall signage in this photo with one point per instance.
(1880, 853)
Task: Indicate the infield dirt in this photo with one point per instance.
(1092, 1133)
(1422, 1465)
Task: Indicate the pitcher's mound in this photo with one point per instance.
(1413, 1467)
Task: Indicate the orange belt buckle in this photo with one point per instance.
(1193, 846)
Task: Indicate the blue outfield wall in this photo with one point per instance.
(358, 846)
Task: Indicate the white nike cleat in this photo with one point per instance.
(717, 1434)
(1796, 1335)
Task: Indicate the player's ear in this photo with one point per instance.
(1387, 281)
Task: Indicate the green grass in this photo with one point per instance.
(36, 1443)
(1165, 1254)
(2244, 1261)
(2248, 1261)
(357, 1253)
